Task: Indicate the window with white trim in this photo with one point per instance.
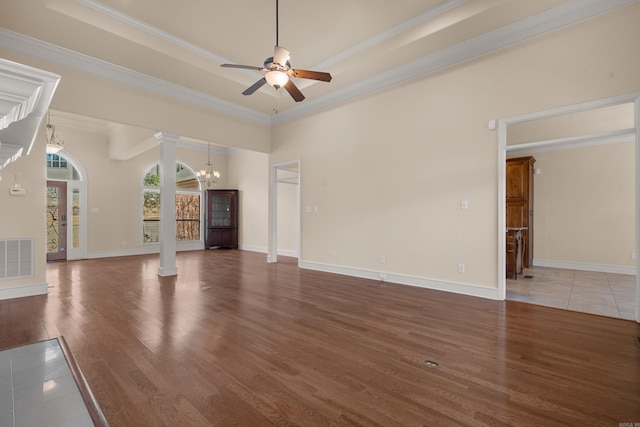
(188, 204)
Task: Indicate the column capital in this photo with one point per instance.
(166, 137)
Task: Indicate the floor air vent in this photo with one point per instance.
(16, 258)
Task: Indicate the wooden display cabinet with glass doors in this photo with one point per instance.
(222, 219)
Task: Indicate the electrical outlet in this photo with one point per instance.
(633, 256)
(460, 268)
(383, 259)
(334, 254)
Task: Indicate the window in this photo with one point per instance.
(58, 168)
(55, 161)
(187, 205)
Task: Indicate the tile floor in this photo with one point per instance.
(606, 294)
(38, 389)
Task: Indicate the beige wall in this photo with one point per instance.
(114, 188)
(584, 205)
(287, 219)
(105, 99)
(591, 122)
(388, 171)
(24, 217)
(249, 173)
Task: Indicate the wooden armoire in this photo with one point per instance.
(519, 175)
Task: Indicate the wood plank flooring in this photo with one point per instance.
(233, 340)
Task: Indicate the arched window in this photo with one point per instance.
(187, 204)
(58, 168)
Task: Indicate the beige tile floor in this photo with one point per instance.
(606, 294)
(37, 388)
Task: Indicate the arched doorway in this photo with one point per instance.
(66, 219)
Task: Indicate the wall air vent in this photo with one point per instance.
(16, 258)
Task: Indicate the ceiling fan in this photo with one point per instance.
(279, 72)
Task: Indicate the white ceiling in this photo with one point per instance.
(176, 48)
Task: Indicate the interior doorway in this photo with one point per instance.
(284, 212)
(587, 137)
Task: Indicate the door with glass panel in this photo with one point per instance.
(56, 222)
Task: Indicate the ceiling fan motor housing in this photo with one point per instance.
(273, 66)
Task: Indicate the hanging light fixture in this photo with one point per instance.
(207, 175)
(54, 144)
(276, 78)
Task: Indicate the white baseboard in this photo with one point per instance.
(585, 266)
(284, 252)
(260, 249)
(264, 250)
(145, 250)
(166, 272)
(191, 246)
(438, 285)
(20, 291)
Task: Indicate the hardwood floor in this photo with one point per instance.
(233, 340)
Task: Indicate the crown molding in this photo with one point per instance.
(196, 145)
(68, 58)
(569, 13)
(150, 29)
(392, 32)
(25, 93)
(556, 18)
(601, 138)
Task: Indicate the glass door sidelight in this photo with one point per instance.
(56, 221)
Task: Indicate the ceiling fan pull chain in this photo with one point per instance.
(275, 102)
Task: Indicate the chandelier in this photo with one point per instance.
(207, 175)
(54, 144)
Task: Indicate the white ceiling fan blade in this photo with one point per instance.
(281, 56)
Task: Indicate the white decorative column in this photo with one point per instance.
(167, 204)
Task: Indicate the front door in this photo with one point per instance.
(56, 220)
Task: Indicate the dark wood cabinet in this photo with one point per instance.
(222, 219)
(519, 203)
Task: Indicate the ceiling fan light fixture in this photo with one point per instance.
(276, 78)
(278, 71)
